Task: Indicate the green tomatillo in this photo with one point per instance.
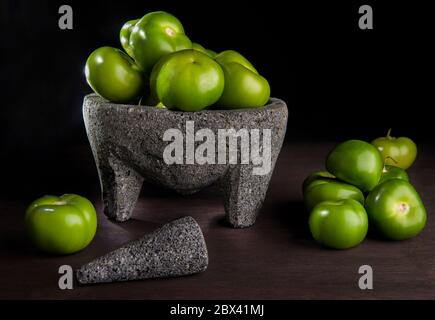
(400, 152)
(155, 35)
(392, 172)
(124, 36)
(113, 75)
(188, 80)
(210, 53)
(339, 224)
(322, 190)
(244, 87)
(396, 210)
(315, 176)
(356, 162)
(61, 225)
(229, 56)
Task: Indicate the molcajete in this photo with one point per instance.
(128, 145)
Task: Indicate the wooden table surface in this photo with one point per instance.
(274, 259)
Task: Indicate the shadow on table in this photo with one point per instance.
(134, 227)
(14, 241)
(280, 217)
(293, 218)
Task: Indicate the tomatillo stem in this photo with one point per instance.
(389, 134)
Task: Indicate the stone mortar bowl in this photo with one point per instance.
(128, 146)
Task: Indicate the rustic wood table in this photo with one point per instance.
(274, 259)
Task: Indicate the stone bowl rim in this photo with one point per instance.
(273, 103)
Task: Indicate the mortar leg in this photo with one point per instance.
(244, 195)
(120, 186)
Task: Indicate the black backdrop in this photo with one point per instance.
(339, 82)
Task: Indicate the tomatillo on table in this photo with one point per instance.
(400, 152)
(155, 35)
(61, 225)
(356, 162)
(396, 210)
(392, 172)
(339, 224)
(188, 80)
(113, 75)
(244, 87)
(318, 175)
(323, 190)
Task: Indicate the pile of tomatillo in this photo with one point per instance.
(162, 67)
(365, 183)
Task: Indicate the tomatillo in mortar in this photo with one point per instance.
(356, 162)
(124, 36)
(155, 35)
(340, 224)
(230, 56)
(188, 80)
(113, 75)
(210, 53)
(396, 210)
(400, 152)
(323, 190)
(244, 87)
(61, 225)
(392, 172)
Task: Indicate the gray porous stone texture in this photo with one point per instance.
(176, 249)
(127, 143)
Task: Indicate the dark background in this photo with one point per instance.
(339, 82)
